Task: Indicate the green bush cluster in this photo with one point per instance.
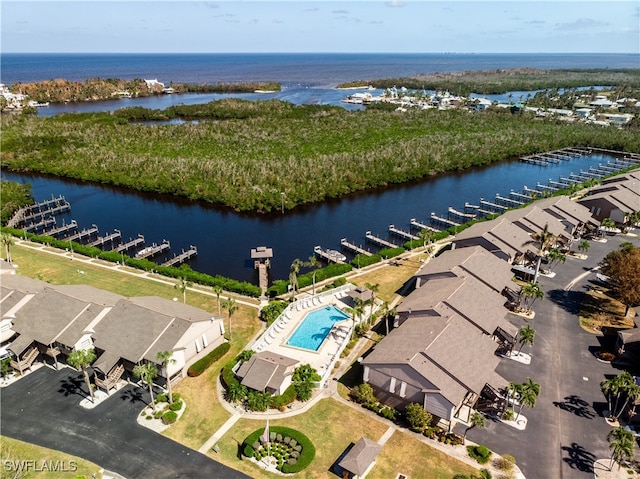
(169, 417)
(363, 394)
(480, 453)
(184, 271)
(197, 368)
(286, 443)
(390, 252)
(361, 260)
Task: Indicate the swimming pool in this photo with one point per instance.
(315, 327)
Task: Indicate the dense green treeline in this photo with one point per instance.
(246, 154)
(12, 197)
(503, 81)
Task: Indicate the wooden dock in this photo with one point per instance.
(39, 211)
(460, 214)
(379, 241)
(40, 225)
(509, 201)
(85, 233)
(402, 234)
(354, 248)
(546, 187)
(527, 198)
(101, 240)
(445, 221)
(133, 243)
(190, 253)
(65, 228)
(153, 250)
(329, 255)
(422, 226)
(495, 207)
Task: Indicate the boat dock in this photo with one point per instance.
(559, 185)
(101, 240)
(422, 226)
(374, 239)
(39, 211)
(460, 214)
(546, 187)
(85, 233)
(527, 198)
(62, 230)
(131, 244)
(41, 225)
(153, 250)
(182, 257)
(402, 234)
(509, 201)
(329, 255)
(354, 248)
(494, 207)
(440, 220)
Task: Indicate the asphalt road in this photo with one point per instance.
(43, 408)
(566, 431)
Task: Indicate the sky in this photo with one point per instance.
(358, 26)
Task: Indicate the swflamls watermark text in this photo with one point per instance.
(32, 465)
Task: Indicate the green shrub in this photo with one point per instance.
(362, 260)
(161, 397)
(485, 474)
(176, 396)
(200, 366)
(508, 415)
(417, 418)
(479, 453)
(284, 399)
(175, 405)
(158, 414)
(387, 253)
(169, 417)
(306, 452)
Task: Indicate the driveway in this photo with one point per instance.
(43, 408)
(566, 431)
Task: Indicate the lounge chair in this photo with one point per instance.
(287, 314)
(321, 299)
(267, 340)
(273, 334)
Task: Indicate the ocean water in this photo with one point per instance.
(322, 70)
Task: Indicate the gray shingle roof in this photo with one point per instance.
(360, 457)
(265, 370)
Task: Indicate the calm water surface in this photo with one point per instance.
(224, 238)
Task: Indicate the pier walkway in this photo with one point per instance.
(375, 239)
(354, 248)
(184, 256)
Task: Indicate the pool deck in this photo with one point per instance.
(275, 337)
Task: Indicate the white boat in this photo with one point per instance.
(144, 251)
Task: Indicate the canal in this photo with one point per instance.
(224, 238)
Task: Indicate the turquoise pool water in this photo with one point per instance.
(315, 327)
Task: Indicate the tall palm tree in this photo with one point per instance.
(621, 384)
(166, 358)
(621, 443)
(81, 359)
(147, 372)
(529, 293)
(543, 240)
(477, 420)
(426, 235)
(230, 305)
(293, 277)
(529, 393)
(356, 312)
(512, 389)
(182, 286)
(217, 290)
(584, 246)
(632, 393)
(608, 387)
(526, 335)
(7, 242)
(314, 264)
(374, 288)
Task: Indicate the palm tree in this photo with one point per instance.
(533, 291)
(543, 241)
(166, 358)
(426, 235)
(182, 286)
(526, 336)
(147, 372)
(621, 384)
(356, 312)
(314, 264)
(230, 305)
(632, 393)
(476, 419)
(7, 241)
(293, 277)
(217, 290)
(621, 444)
(374, 288)
(584, 246)
(608, 387)
(529, 393)
(556, 256)
(512, 389)
(81, 359)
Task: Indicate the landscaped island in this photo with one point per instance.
(260, 156)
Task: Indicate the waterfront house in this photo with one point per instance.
(575, 217)
(614, 200)
(38, 318)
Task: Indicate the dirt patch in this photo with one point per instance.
(600, 312)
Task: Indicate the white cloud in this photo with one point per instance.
(581, 24)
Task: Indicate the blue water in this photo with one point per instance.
(315, 327)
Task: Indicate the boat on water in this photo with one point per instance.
(144, 251)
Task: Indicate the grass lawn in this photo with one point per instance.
(599, 311)
(390, 279)
(68, 466)
(414, 459)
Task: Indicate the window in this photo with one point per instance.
(403, 389)
(204, 340)
(198, 345)
(392, 385)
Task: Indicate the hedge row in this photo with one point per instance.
(307, 454)
(362, 260)
(184, 271)
(390, 252)
(197, 368)
(280, 287)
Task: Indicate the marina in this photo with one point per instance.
(356, 249)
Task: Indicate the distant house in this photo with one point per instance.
(267, 372)
(124, 332)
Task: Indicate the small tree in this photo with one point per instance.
(623, 268)
(543, 240)
(526, 335)
(584, 246)
(417, 418)
(236, 392)
(147, 373)
(314, 264)
(217, 290)
(529, 392)
(555, 256)
(476, 420)
(529, 293)
(621, 444)
(166, 358)
(7, 242)
(81, 359)
(293, 277)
